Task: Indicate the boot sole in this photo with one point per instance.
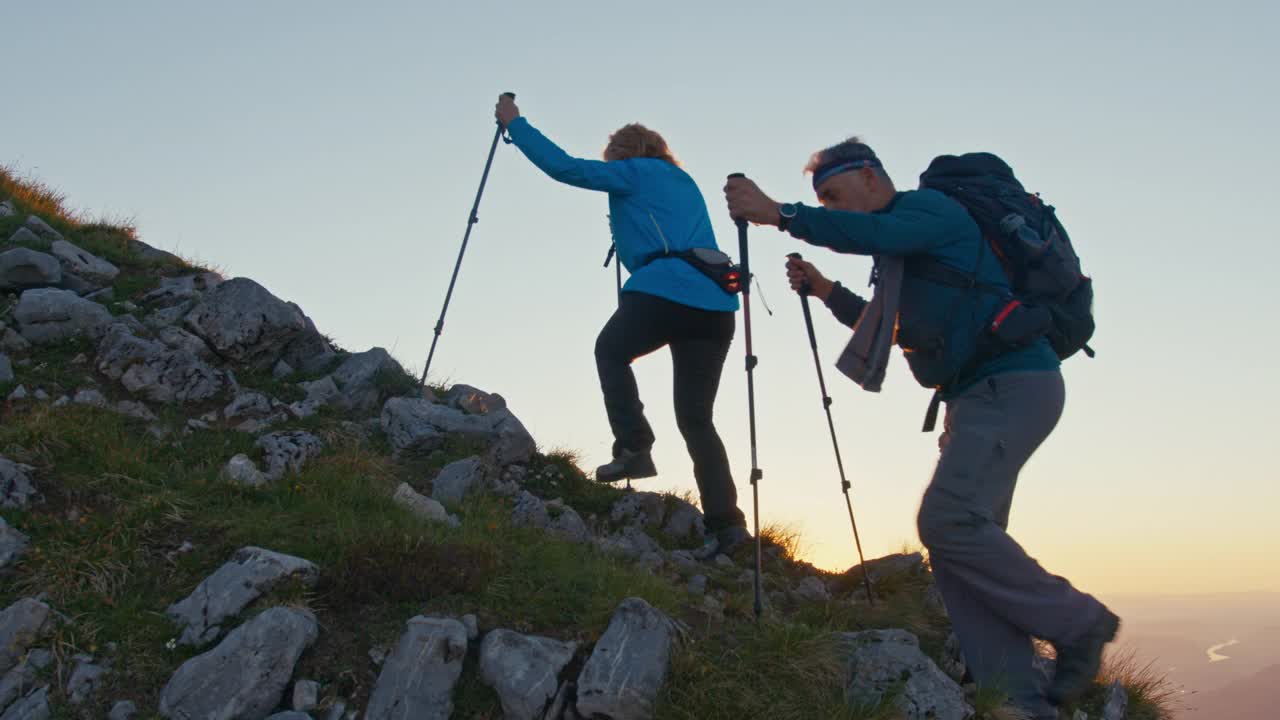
(634, 475)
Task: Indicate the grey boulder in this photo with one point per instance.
(245, 676)
(243, 322)
(12, 544)
(524, 670)
(123, 710)
(24, 268)
(17, 489)
(77, 261)
(358, 379)
(43, 229)
(50, 315)
(629, 664)
(881, 662)
(417, 679)
(421, 505)
(153, 371)
(473, 401)
(554, 517)
(20, 624)
(458, 479)
(175, 290)
(419, 424)
(250, 573)
(287, 451)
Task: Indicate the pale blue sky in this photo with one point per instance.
(331, 152)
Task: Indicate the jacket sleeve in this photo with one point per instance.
(914, 225)
(846, 305)
(612, 177)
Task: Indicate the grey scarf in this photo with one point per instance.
(867, 355)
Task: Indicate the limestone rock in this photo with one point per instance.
(629, 664)
(34, 706)
(20, 624)
(417, 680)
(250, 573)
(880, 660)
(524, 670)
(1117, 707)
(245, 676)
(155, 372)
(43, 229)
(12, 544)
(422, 506)
(77, 261)
(244, 323)
(17, 489)
(242, 470)
(50, 315)
(288, 451)
(358, 379)
(458, 479)
(23, 268)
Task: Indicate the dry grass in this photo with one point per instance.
(1152, 695)
(784, 536)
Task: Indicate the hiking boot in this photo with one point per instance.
(630, 465)
(724, 542)
(1079, 662)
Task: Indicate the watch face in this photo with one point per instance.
(787, 210)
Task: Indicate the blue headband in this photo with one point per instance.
(829, 170)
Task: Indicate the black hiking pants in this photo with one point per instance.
(699, 341)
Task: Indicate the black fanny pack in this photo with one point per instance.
(710, 262)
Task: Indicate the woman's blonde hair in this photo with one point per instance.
(638, 141)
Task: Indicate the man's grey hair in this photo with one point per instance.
(850, 150)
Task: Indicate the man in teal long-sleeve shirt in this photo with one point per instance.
(999, 410)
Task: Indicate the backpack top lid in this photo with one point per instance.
(970, 165)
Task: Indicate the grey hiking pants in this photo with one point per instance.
(998, 597)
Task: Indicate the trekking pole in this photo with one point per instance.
(756, 473)
(826, 405)
(472, 219)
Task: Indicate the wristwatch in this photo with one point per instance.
(786, 212)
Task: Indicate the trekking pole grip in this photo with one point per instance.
(742, 224)
(806, 288)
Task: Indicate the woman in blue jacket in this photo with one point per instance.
(655, 210)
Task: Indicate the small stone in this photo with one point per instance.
(12, 544)
(698, 585)
(19, 393)
(422, 506)
(91, 397)
(123, 710)
(306, 695)
(41, 395)
(242, 470)
(472, 625)
(724, 561)
(84, 680)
